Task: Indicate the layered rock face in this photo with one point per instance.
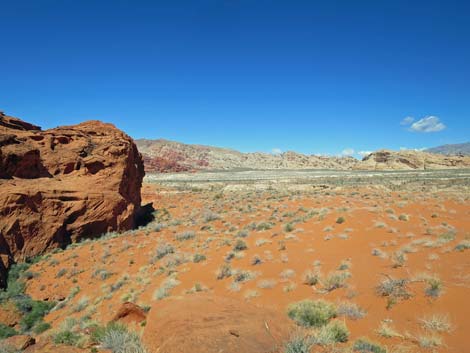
(164, 156)
(61, 185)
(402, 160)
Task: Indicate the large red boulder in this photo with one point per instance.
(61, 185)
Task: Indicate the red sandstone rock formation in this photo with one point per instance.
(129, 313)
(61, 185)
(202, 323)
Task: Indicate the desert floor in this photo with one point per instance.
(395, 264)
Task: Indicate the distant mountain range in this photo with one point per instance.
(165, 156)
(452, 149)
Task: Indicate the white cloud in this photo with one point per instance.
(364, 153)
(276, 151)
(348, 152)
(407, 121)
(427, 124)
(413, 149)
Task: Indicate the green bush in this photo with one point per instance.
(40, 327)
(67, 337)
(240, 245)
(99, 332)
(32, 311)
(6, 331)
(340, 220)
(298, 344)
(36, 314)
(118, 339)
(289, 227)
(311, 313)
(363, 345)
(338, 331)
(199, 258)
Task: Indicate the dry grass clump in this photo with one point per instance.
(398, 259)
(351, 311)
(335, 280)
(165, 287)
(311, 278)
(429, 341)
(436, 322)
(364, 345)
(161, 251)
(387, 331)
(433, 286)
(224, 271)
(240, 245)
(185, 235)
(266, 283)
(463, 245)
(397, 288)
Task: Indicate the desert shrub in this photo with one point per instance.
(61, 272)
(240, 245)
(434, 287)
(344, 265)
(311, 313)
(266, 283)
(162, 250)
(396, 288)
(340, 220)
(447, 236)
(118, 339)
(311, 278)
(256, 260)
(299, 343)
(210, 216)
(429, 341)
(363, 345)
(35, 314)
(164, 290)
(403, 217)
(81, 304)
(387, 331)
(243, 276)
(334, 332)
(351, 311)
(15, 284)
(242, 234)
(264, 226)
(463, 245)
(6, 331)
(224, 271)
(67, 337)
(437, 322)
(398, 259)
(289, 227)
(41, 326)
(32, 311)
(335, 280)
(102, 273)
(185, 236)
(199, 258)
(67, 333)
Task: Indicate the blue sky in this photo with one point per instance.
(254, 75)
